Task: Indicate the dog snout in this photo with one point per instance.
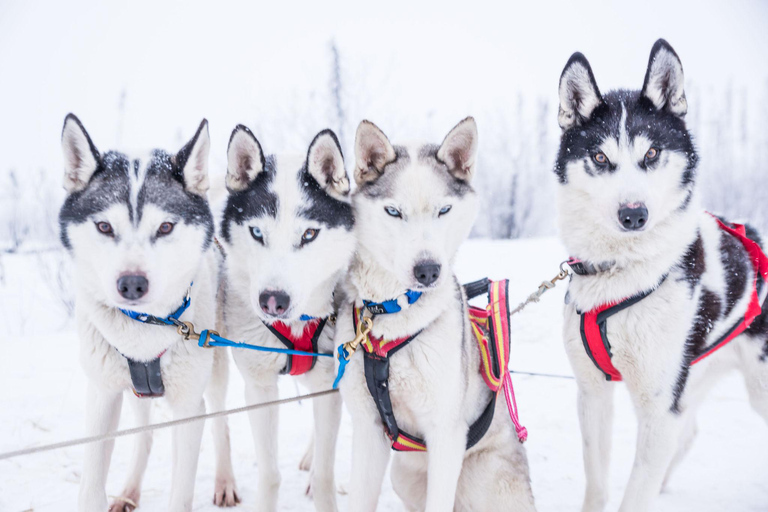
(633, 216)
(274, 302)
(133, 286)
(426, 272)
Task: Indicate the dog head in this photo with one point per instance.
(137, 227)
(287, 226)
(415, 204)
(626, 163)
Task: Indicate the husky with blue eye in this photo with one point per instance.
(664, 296)
(287, 230)
(140, 232)
(454, 448)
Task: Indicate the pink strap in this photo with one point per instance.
(509, 393)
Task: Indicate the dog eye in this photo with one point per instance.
(600, 158)
(257, 234)
(652, 155)
(105, 228)
(165, 229)
(394, 212)
(309, 235)
(444, 210)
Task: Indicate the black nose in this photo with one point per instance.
(426, 273)
(274, 302)
(133, 287)
(633, 217)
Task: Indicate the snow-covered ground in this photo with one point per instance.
(43, 391)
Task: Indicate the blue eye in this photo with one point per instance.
(394, 212)
(257, 234)
(444, 210)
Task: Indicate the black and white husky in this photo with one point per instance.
(139, 232)
(288, 234)
(628, 210)
(414, 206)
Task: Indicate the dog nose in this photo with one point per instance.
(426, 273)
(133, 287)
(633, 216)
(274, 302)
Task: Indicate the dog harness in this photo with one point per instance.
(145, 375)
(306, 342)
(491, 329)
(594, 323)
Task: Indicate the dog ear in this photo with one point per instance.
(81, 159)
(664, 79)
(245, 159)
(373, 152)
(193, 160)
(325, 163)
(579, 95)
(459, 150)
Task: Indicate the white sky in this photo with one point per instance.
(229, 62)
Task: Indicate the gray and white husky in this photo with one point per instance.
(287, 230)
(414, 205)
(628, 209)
(139, 232)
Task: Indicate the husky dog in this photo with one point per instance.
(287, 232)
(139, 232)
(628, 210)
(414, 205)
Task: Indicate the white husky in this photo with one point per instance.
(413, 207)
(629, 212)
(140, 231)
(287, 232)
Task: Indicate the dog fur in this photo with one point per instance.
(632, 148)
(415, 204)
(110, 226)
(275, 204)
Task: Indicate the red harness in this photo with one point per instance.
(307, 342)
(594, 322)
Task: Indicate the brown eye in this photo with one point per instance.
(105, 228)
(165, 229)
(309, 235)
(600, 158)
(651, 154)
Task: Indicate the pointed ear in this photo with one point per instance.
(459, 150)
(81, 159)
(193, 160)
(326, 164)
(245, 159)
(664, 79)
(579, 95)
(373, 152)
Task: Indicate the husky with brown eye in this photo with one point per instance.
(288, 232)
(140, 232)
(664, 296)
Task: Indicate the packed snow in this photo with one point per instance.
(43, 401)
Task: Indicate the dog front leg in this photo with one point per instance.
(186, 452)
(264, 429)
(446, 449)
(370, 454)
(225, 490)
(595, 404)
(102, 416)
(657, 442)
(141, 448)
(327, 415)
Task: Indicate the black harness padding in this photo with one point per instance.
(146, 378)
(289, 344)
(477, 288)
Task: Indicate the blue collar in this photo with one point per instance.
(171, 319)
(307, 318)
(391, 305)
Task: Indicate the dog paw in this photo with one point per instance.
(128, 502)
(225, 494)
(306, 461)
(342, 487)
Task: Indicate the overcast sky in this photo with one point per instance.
(181, 61)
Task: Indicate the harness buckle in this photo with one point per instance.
(363, 329)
